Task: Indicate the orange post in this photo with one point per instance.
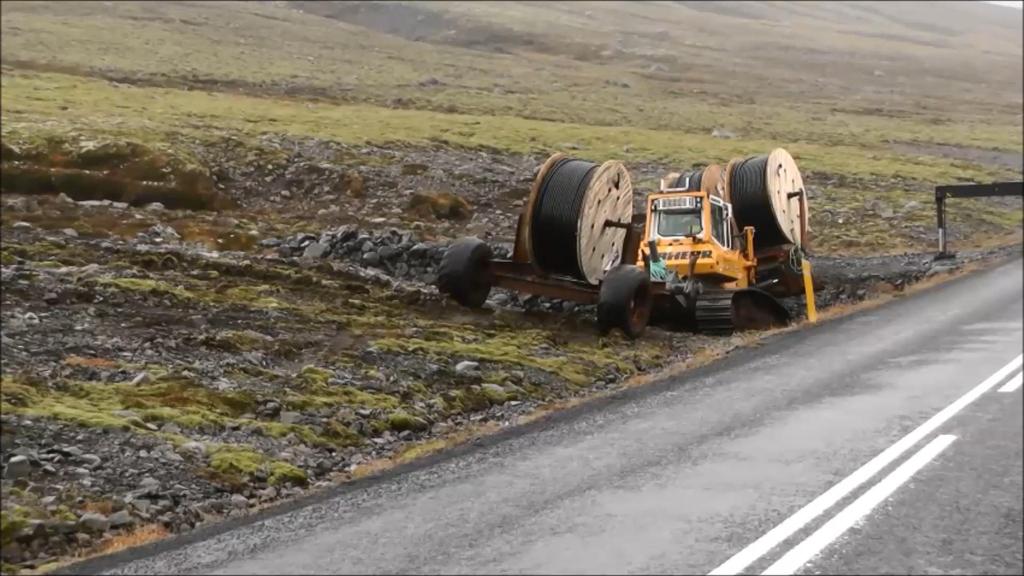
(812, 311)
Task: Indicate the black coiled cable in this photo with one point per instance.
(751, 203)
(689, 180)
(695, 179)
(554, 226)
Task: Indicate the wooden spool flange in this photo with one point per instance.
(782, 177)
(609, 197)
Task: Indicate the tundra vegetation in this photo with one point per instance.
(221, 220)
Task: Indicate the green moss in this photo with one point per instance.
(233, 461)
(148, 286)
(315, 376)
(64, 513)
(514, 347)
(167, 399)
(284, 473)
(17, 393)
(239, 340)
(401, 420)
(12, 522)
(7, 259)
(340, 435)
(253, 296)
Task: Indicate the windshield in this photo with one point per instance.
(679, 223)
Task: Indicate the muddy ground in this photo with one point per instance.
(166, 365)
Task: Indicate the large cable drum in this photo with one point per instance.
(765, 193)
(571, 203)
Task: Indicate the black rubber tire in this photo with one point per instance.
(625, 300)
(464, 273)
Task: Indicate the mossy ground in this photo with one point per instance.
(353, 373)
(206, 126)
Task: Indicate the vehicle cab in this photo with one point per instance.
(685, 224)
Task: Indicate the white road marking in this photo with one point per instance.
(813, 509)
(858, 509)
(1014, 383)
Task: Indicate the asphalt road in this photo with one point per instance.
(685, 475)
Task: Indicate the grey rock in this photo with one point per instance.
(270, 409)
(90, 460)
(141, 378)
(80, 472)
(911, 206)
(316, 250)
(290, 417)
(466, 367)
(30, 318)
(51, 298)
(22, 225)
(70, 232)
(722, 133)
(371, 258)
(270, 242)
(122, 518)
(193, 449)
(418, 251)
(17, 467)
(155, 206)
(63, 198)
(93, 522)
(149, 485)
(171, 428)
(388, 252)
(239, 501)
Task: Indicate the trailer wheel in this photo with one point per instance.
(625, 300)
(464, 273)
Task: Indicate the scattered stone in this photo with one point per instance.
(70, 232)
(722, 133)
(30, 318)
(63, 198)
(17, 467)
(911, 206)
(141, 378)
(155, 207)
(51, 298)
(239, 501)
(90, 460)
(94, 522)
(290, 417)
(316, 250)
(466, 367)
(149, 486)
(121, 519)
(21, 225)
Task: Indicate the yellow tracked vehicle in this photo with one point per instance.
(711, 252)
